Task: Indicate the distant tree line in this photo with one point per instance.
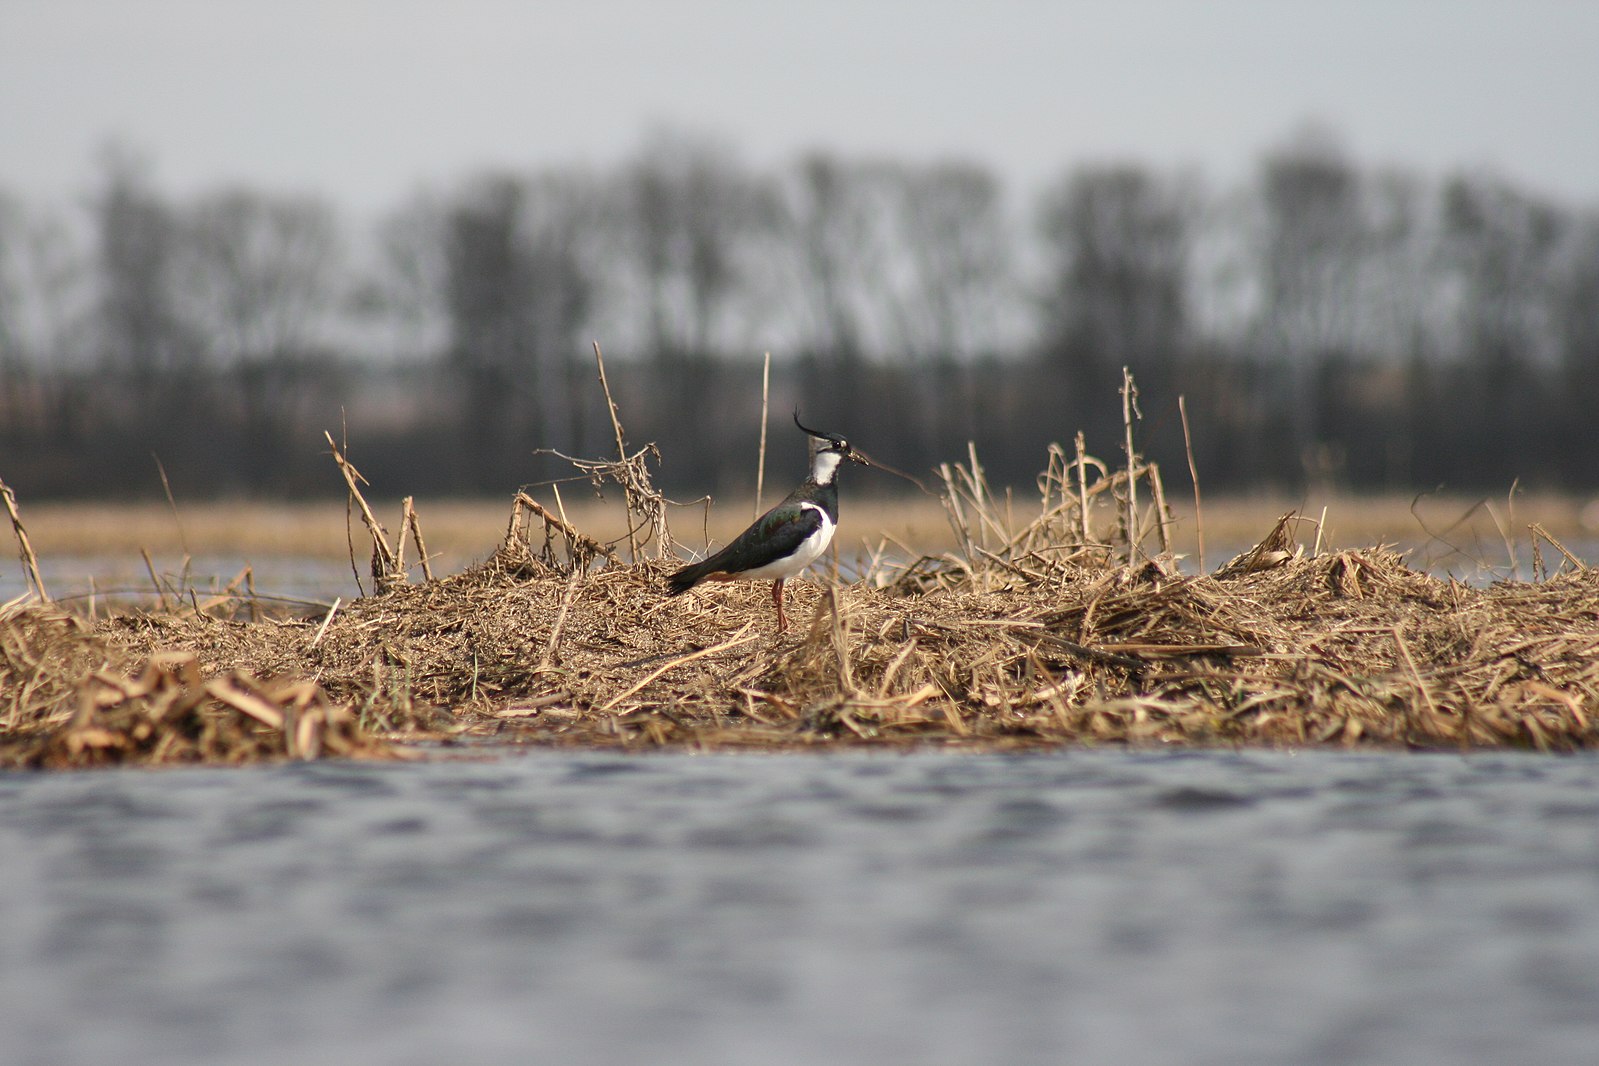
(1326, 322)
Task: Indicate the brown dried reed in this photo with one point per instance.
(1060, 628)
(74, 698)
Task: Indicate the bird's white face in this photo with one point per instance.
(824, 464)
(827, 452)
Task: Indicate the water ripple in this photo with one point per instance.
(1208, 907)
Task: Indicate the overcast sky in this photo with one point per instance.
(364, 101)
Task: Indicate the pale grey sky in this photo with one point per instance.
(363, 100)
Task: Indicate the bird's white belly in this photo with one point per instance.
(810, 549)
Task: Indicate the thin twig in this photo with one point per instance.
(567, 596)
(1162, 512)
(760, 467)
(736, 639)
(560, 504)
(953, 509)
(1508, 539)
(551, 520)
(166, 486)
(1415, 674)
(382, 555)
(621, 450)
(1510, 524)
(846, 677)
(1193, 476)
(1538, 530)
(326, 621)
(30, 562)
(399, 541)
(160, 591)
(1082, 487)
(178, 522)
(978, 483)
(349, 534)
(1129, 393)
(414, 524)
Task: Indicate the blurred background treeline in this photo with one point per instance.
(1330, 323)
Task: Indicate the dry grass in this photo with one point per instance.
(1039, 643)
(73, 698)
(1345, 648)
(1055, 620)
(461, 533)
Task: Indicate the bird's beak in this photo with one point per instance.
(858, 456)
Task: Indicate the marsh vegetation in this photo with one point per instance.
(1062, 619)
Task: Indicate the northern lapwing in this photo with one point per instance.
(789, 537)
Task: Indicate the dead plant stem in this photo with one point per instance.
(160, 591)
(1082, 487)
(760, 465)
(732, 642)
(1193, 477)
(414, 524)
(383, 559)
(621, 451)
(1129, 393)
(30, 561)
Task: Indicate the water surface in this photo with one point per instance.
(1084, 907)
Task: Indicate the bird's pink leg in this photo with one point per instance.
(777, 598)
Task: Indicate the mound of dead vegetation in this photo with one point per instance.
(72, 698)
(1351, 647)
(1075, 626)
(1029, 641)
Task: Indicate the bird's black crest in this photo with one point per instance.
(834, 437)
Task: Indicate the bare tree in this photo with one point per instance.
(262, 276)
(955, 278)
(837, 251)
(141, 333)
(1499, 247)
(1311, 247)
(520, 286)
(1500, 244)
(949, 291)
(488, 275)
(1577, 304)
(47, 308)
(13, 343)
(562, 241)
(1118, 238)
(46, 299)
(406, 289)
(829, 223)
(262, 279)
(1314, 236)
(691, 215)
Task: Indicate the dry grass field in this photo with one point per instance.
(984, 620)
(461, 532)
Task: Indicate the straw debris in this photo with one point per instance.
(1345, 648)
(72, 698)
(1073, 626)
